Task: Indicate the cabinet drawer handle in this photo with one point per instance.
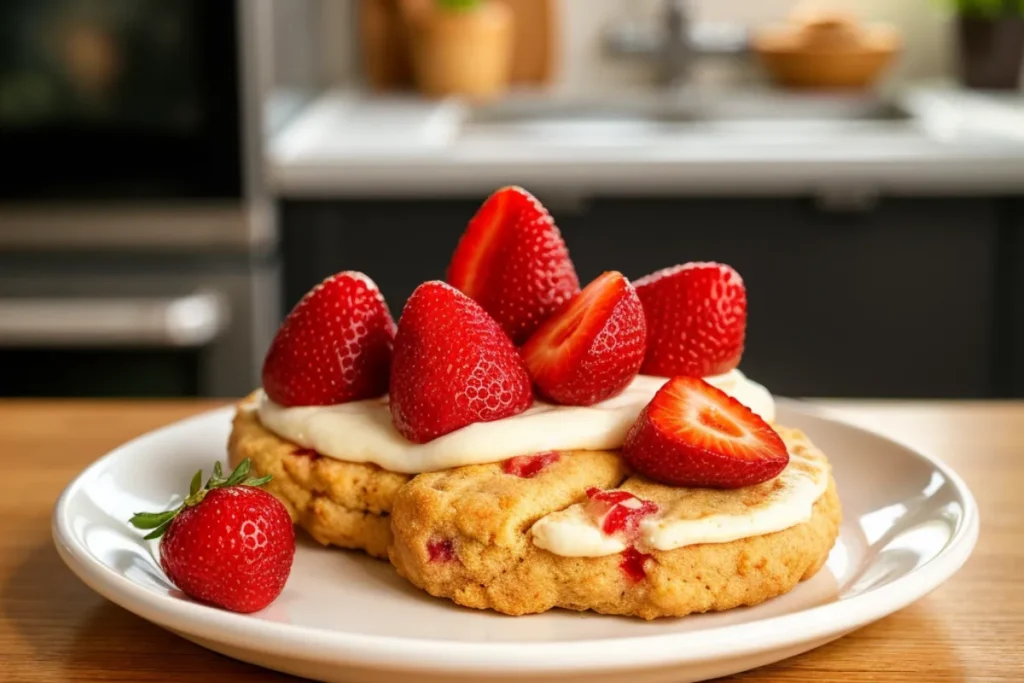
(184, 322)
(849, 199)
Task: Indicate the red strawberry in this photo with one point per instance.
(453, 366)
(229, 544)
(513, 261)
(696, 320)
(692, 434)
(592, 347)
(618, 512)
(334, 347)
(529, 466)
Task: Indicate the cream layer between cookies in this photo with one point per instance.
(361, 431)
(788, 501)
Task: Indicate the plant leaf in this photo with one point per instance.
(152, 520)
(239, 475)
(458, 5)
(217, 478)
(197, 482)
(259, 481)
(159, 531)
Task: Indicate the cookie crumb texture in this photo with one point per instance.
(484, 516)
(338, 503)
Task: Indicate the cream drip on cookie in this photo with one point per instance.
(773, 506)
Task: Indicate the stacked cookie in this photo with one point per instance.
(517, 444)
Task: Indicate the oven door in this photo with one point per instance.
(146, 331)
(125, 100)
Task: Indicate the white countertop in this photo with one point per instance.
(347, 144)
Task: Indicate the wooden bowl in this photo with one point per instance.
(828, 53)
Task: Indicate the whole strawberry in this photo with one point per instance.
(453, 366)
(334, 347)
(512, 260)
(230, 543)
(696, 320)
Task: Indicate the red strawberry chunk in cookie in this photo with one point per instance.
(696, 320)
(452, 367)
(528, 466)
(618, 512)
(334, 346)
(593, 345)
(513, 261)
(441, 550)
(632, 564)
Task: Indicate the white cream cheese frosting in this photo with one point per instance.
(361, 431)
(573, 533)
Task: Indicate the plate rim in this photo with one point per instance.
(818, 623)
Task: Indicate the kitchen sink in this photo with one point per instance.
(659, 116)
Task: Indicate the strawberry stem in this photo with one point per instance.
(160, 521)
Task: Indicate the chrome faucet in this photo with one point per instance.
(676, 41)
(676, 53)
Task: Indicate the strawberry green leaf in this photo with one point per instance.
(160, 521)
(197, 482)
(151, 520)
(239, 475)
(217, 478)
(159, 531)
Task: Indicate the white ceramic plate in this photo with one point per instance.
(910, 523)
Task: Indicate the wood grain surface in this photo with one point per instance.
(53, 628)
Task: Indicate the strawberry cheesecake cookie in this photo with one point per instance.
(518, 444)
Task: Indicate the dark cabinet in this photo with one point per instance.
(1009, 357)
(400, 244)
(895, 301)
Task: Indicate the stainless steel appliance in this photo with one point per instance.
(137, 244)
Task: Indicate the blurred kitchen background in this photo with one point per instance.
(177, 173)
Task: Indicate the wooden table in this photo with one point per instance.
(53, 628)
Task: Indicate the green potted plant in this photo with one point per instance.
(991, 42)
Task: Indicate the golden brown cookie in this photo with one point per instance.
(339, 503)
(463, 534)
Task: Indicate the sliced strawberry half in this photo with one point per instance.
(452, 366)
(592, 347)
(513, 261)
(334, 346)
(696, 320)
(692, 434)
